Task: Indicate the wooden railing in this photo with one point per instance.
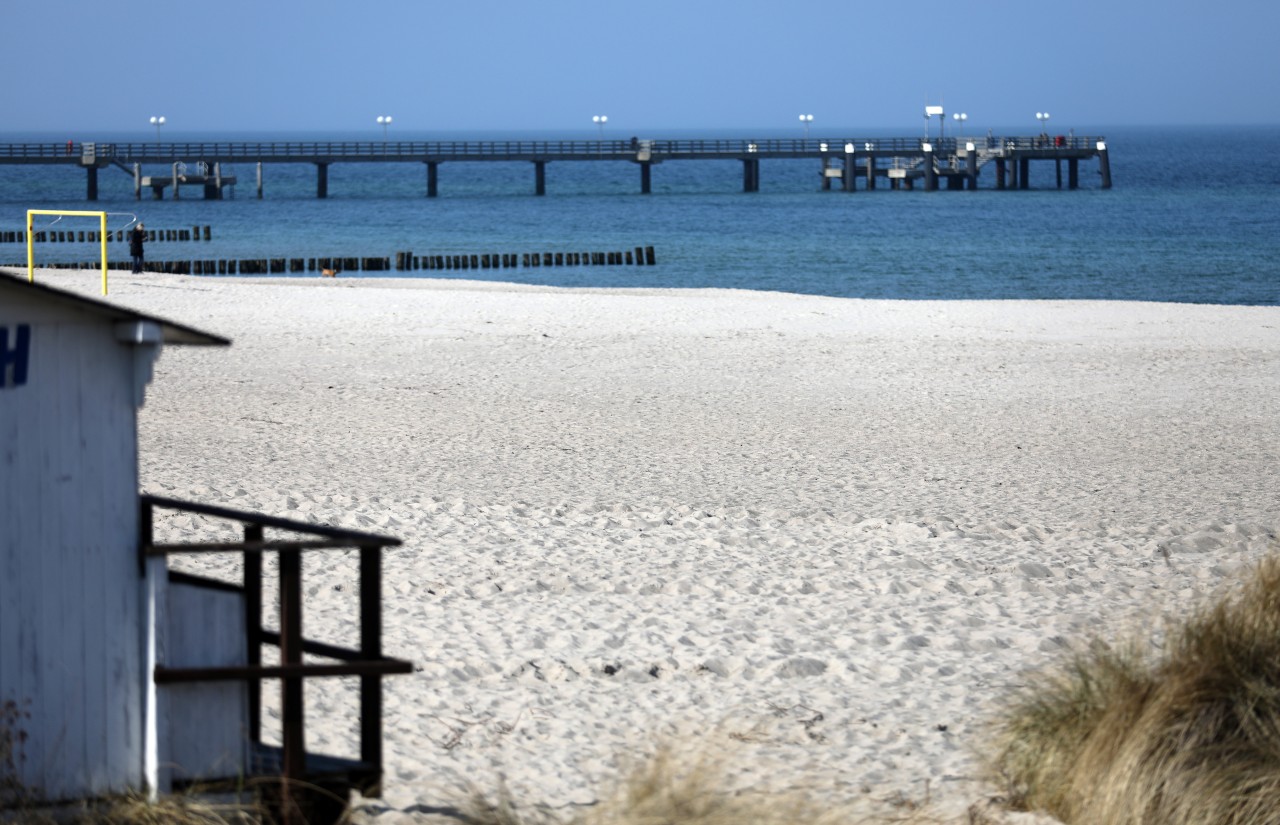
(367, 661)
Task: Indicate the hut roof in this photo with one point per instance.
(174, 333)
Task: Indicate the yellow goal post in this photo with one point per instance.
(31, 247)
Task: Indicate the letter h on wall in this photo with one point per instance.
(18, 357)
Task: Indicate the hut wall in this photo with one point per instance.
(71, 657)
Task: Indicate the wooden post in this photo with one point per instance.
(371, 650)
(292, 713)
(252, 567)
(540, 177)
(322, 180)
(433, 177)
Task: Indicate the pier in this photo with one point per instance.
(895, 163)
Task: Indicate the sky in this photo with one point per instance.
(651, 67)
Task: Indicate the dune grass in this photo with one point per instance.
(137, 809)
(1119, 736)
(666, 790)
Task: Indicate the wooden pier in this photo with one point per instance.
(898, 163)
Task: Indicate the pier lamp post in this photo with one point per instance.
(385, 120)
(960, 118)
(600, 121)
(1043, 117)
(806, 120)
(157, 122)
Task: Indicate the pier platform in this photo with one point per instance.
(896, 162)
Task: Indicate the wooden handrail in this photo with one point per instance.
(354, 537)
(367, 662)
(231, 673)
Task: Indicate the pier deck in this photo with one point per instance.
(899, 161)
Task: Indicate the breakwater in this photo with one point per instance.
(403, 261)
(195, 233)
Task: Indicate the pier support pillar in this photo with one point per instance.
(1073, 173)
(750, 174)
(322, 180)
(1024, 173)
(137, 181)
(1104, 165)
(971, 165)
(433, 178)
(177, 184)
(930, 173)
(1000, 173)
(871, 172)
(540, 177)
(850, 171)
(1057, 163)
(213, 188)
(259, 180)
(645, 177)
(93, 182)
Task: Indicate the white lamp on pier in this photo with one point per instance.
(157, 121)
(385, 121)
(1043, 117)
(960, 118)
(600, 121)
(806, 120)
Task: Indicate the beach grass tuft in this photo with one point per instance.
(668, 790)
(1188, 737)
(138, 809)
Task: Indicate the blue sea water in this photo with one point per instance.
(1193, 216)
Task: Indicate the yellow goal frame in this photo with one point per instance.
(31, 243)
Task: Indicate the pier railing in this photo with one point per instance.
(311, 151)
(846, 158)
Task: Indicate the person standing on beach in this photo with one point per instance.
(136, 238)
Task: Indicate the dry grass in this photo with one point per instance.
(668, 791)
(134, 809)
(1118, 737)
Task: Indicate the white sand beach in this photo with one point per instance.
(822, 536)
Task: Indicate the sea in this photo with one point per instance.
(1193, 216)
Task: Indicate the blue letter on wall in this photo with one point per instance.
(18, 356)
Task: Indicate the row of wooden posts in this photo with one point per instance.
(402, 262)
(195, 233)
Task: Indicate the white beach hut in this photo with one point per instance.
(117, 674)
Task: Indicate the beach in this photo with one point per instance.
(819, 538)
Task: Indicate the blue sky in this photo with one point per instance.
(650, 66)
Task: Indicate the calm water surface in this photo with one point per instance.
(1194, 216)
